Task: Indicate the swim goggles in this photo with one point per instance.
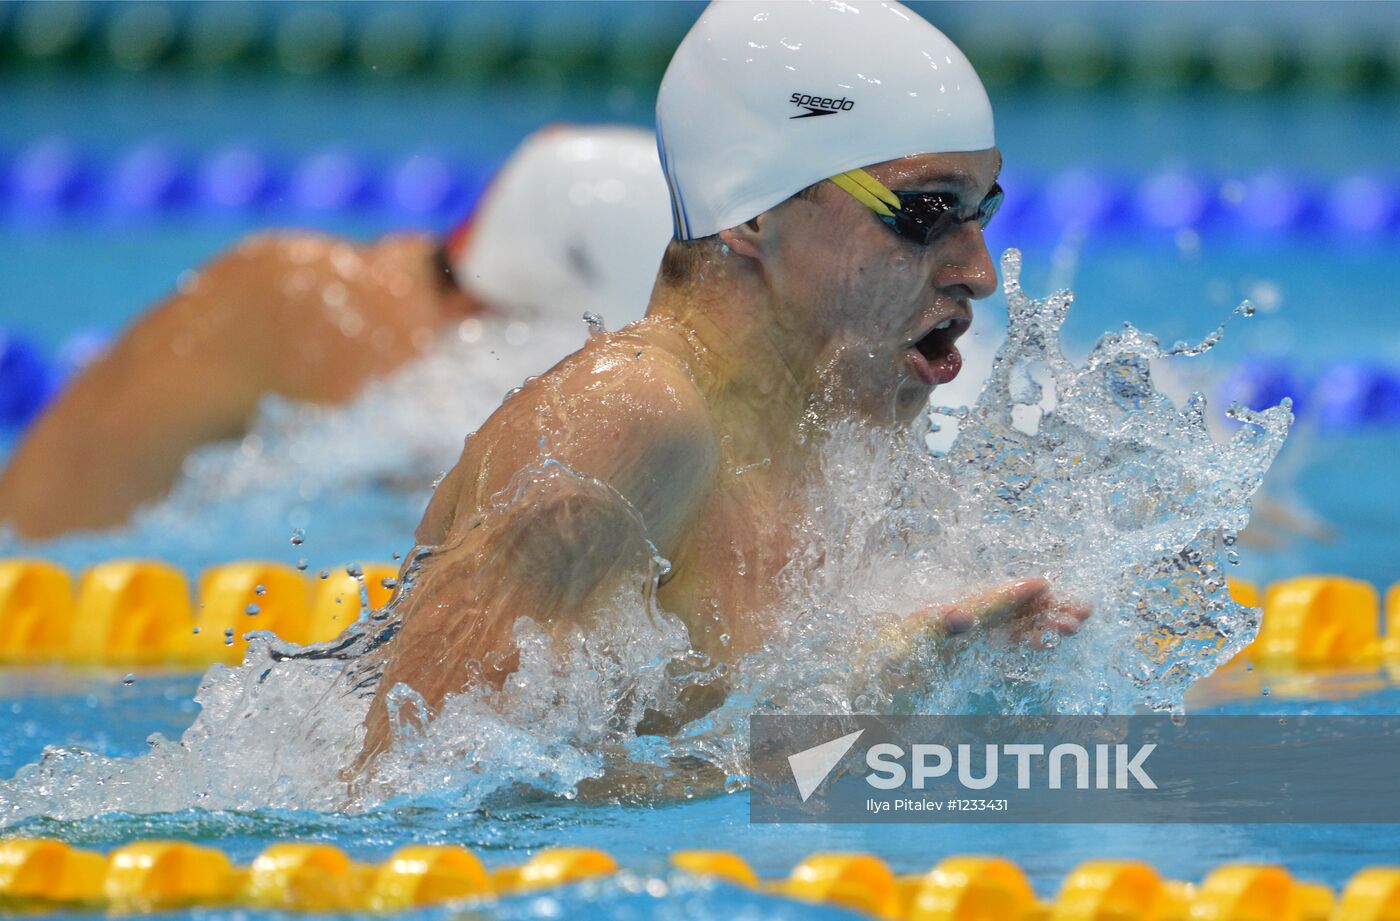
(919, 216)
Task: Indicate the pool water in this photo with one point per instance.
(1324, 299)
(99, 711)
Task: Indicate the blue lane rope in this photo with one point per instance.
(55, 178)
(1347, 395)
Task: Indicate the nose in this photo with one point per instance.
(967, 265)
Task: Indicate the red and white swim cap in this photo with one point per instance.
(576, 220)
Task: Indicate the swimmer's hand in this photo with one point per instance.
(1035, 614)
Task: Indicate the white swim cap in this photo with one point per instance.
(576, 220)
(765, 97)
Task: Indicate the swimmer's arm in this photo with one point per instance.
(118, 433)
(192, 371)
(554, 551)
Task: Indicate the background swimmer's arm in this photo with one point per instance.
(555, 544)
(192, 371)
(117, 434)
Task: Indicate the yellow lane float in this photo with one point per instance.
(36, 610)
(131, 612)
(723, 865)
(973, 889)
(557, 866)
(38, 874)
(857, 881)
(160, 875)
(1320, 621)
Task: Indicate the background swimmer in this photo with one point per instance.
(573, 221)
(786, 304)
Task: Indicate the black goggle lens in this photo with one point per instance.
(925, 216)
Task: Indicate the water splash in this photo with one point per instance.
(1085, 474)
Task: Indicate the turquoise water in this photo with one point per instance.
(1334, 300)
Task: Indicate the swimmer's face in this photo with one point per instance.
(880, 312)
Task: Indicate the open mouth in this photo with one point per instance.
(934, 357)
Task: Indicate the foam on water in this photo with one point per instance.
(1119, 497)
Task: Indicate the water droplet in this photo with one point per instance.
(298, 536)
(196, 630)
(228, 636)
(389, 582)
(323, 574)
(354, 571)
(129, 680)
(259, 589)
(302, 564)
(252, 610)
(1264, 690)
(595, 323)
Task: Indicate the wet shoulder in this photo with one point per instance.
(618, 409)
(632, 384)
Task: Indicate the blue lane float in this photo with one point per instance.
(48, 177)
(1261, 383)
(1363, 205)
(27, 380)
(1172, 201)
(1345, 396)
(236, 179)
(333, 180)
(1355, 395)
(30, 377)
(149, 179)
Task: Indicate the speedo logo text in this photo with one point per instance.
(820, 105)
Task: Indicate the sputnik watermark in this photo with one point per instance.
(1113, 764)
(1075, 769)
(1109, 765)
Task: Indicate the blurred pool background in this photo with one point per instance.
(1164, 160)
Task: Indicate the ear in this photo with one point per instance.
(749, 238)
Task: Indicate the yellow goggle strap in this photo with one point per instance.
(868, 191)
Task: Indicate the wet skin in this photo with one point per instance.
(699, 416)
(307, 317)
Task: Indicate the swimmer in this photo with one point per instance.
(831, 167)
(314, 318)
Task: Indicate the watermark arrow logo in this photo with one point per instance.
(812, 765)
